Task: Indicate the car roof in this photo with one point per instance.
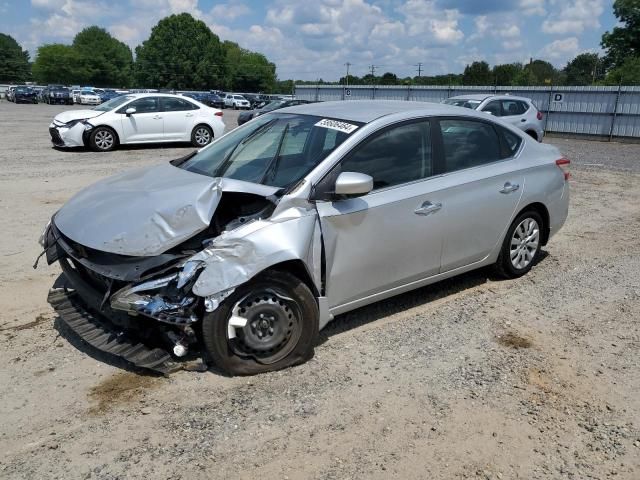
(484, 96)
(367, 111)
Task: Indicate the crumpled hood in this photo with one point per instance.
(145, 212)
(69, 115)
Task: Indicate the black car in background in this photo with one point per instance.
(209, 99)
(255, 99)
(244, 117)
(24, 94)
(57, 94)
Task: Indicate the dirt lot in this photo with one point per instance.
(470, 378)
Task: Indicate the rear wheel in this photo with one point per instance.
(268, 324)
(201, 136)
(103, 139)
(521, 246)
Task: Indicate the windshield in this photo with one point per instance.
(113, 103)
(463, 102)
(238, 97)
(276, 150)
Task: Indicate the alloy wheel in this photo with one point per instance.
(104, 139)
(202, 136)
(524, 243)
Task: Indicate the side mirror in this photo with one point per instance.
(130, 111)
(353, 184)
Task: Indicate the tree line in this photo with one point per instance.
(181, 53)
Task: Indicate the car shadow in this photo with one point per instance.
(124, 148)
(415, 298)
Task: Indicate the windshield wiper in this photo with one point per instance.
(227, 160)
(272, 167)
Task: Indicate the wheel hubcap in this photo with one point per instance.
(264, 325)
(202, 136)
(104, 139)
(524, 243)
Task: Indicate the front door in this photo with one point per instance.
(391, 236)
(146, 124)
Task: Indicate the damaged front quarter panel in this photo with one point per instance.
(236, 256)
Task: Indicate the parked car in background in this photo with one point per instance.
(108, 94)
(518, 111)
(244, 117)
(75, 95)
(138, 118)
(24, 94)
(9, 93)
(209, 99)
(245, 250)
(89, 97)
(235, 101)
(57, 94)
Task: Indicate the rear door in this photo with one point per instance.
(513, 112)
(482, 185)
(178, 118)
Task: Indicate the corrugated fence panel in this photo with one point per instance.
(601, 111)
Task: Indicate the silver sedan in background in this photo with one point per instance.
(517, 111)
(242, 251)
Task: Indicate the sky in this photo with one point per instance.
(312, 39)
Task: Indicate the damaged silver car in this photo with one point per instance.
(242, 251)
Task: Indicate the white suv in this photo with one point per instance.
(518, 111)
(139, 118)
(235, 101)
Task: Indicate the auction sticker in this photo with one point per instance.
(336, 125)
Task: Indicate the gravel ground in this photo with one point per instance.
(535, 378)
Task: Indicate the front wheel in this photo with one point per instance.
(102, 139)
(521, 246)
(267, 324)
(201, 136)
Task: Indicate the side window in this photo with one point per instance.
(468, 143)
(511, 142)
(493, 108)
(170, 104)
(512, 107)
(524, 106)
(395, 156)
(143, 105)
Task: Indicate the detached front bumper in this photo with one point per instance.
(63, 136)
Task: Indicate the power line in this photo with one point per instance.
(419, 65)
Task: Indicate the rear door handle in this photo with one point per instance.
(157, 117)
(189, 115)
(523, 120)
(510, 187)
(427, 208)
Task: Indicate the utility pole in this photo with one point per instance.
(373, 72)
(347, 77)
(419, 65)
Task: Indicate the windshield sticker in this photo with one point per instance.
(336, 125)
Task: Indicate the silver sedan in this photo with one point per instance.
(242, 251)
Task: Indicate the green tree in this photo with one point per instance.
(478, 73)
(506, 74)
(623, 41)
(56, 63)
(102, 59)
(247, 71)
(626, 74)
(181, 53)
(14, 62)
(583, 70)
(389, 78)
(537, 72)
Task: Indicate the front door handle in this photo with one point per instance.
(427, 208)
(509, 187)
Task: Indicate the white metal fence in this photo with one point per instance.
(610, 112)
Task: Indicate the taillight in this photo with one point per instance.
(218, 114)
(539, 115)
(562, 164)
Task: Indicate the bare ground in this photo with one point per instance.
(470, 378)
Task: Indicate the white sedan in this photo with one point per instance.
(89, 97)
(139, 118)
